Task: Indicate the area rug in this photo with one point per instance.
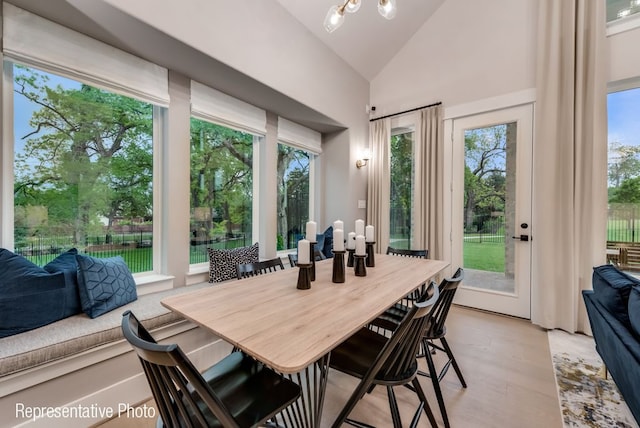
(587, 399)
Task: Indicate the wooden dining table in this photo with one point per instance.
(293, 330)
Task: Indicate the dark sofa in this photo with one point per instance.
(613, 307)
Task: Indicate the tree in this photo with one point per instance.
(88, 155)
(221, 176)
(485, 172)
(293, 184)
(623, 163)
(628, 192)
(401, 193)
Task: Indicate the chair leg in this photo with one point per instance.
(423, 399)
(357, 394)
(447, 349)
(433, 374)
(393, 405)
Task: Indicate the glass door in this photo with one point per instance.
(492, 209)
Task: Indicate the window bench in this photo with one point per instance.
(79, 359)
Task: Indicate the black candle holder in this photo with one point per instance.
(359, 267)
(312, 257)
(350, 258)
(371, 262)
(304, 276)
(338, 275)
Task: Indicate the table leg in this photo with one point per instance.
(306, 412)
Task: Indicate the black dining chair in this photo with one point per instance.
(244, 270)
(437, 331)
(421, 254)
(376, 359)
(237, 392)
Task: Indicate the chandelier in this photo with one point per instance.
(335, 16)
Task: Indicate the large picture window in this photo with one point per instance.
(83, 170)
(401, 190)
(221, 188)
(293, 195)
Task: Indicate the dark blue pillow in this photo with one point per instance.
(634, 309)
(67, 264)
(328, 242)
(104, 284)
(30, 297)
(612, 287)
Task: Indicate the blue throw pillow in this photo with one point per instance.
(104, 284)
(30, 297)
(634, 309)
(612, 287)
(67, 264)
(328, 242)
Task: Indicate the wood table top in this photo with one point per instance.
(289, 329)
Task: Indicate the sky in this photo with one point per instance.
(623, 109)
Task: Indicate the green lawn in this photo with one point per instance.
(487, 256)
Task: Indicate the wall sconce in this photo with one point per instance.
(364, 160)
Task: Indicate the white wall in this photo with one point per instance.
(467, 51)
(624, 61)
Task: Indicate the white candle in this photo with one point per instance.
(360, 246)
(338, 240)
(369, 234)
(359, 227)
(311, 231)
(351, 241)
(303, 252)
(338, 224)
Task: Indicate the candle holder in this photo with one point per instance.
(304, 276)
(350, 257)
(312, 257)
(360, 268)
(371, 262)
(338, 267)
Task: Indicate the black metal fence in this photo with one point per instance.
(485, 229)
(623, 224)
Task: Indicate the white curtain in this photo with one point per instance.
(570, 160)
(379, 181)
(428, 195)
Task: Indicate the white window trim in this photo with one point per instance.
(624, 24)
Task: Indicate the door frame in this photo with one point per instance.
(518, 304)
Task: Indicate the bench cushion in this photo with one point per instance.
(611, 287)
(79, 333)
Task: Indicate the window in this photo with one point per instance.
(83, 170)
(621, 9)
(401, 190)
(293, 195)
(221, 188)
(624, 167)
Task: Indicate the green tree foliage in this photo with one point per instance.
(628, 192)
(401, 171)
(485, 174)
(221, 177)
(293, 193)
(88, 155)
(623, 163)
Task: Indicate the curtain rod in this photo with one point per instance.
(406, 111)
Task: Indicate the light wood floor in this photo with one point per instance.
(506, 364)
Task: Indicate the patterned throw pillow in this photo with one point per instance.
(104, 284)
(222, 263)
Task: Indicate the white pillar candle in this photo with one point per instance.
(311, 231)
(303, 252)
(338, 240)
(360, 246)
(359, 227)
(351, 241)
(338, 224)
(369, 234)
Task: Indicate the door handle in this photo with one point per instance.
(521, 237)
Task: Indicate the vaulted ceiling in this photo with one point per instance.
(366, 40)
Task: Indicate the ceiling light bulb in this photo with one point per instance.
(334, 18)
(387, 8)
(352, 6)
